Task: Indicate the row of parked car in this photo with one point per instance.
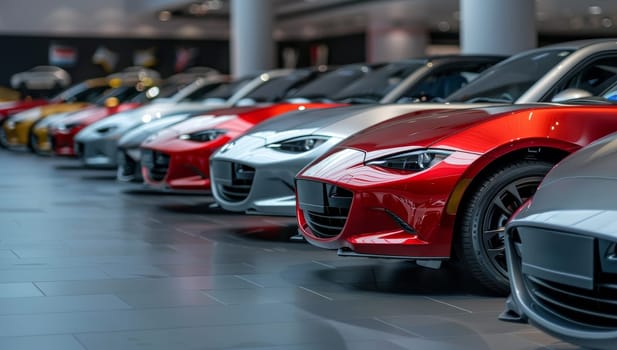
(433, 160)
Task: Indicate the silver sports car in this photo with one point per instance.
(98, 143)
(276, 150)
(561, 250)
(267, 87)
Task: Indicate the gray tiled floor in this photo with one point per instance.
(88, 263)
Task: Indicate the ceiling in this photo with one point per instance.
(298, 19)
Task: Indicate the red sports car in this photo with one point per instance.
(178, 157)
(436, 185)
(9, 108)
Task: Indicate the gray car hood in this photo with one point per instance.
(337, 122)
(578, 193)
(135, 137)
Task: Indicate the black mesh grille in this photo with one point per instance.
(157, 164)
(241, 181)
(325, 207)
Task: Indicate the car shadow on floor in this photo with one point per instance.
(405, 277)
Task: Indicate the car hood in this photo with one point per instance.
(120, 123)
(337, 122)
(134, 137)
(422, 128)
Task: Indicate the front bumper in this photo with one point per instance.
(562, 263)
(63, 141)
(100, 152)
(17, 134)
(370, 211)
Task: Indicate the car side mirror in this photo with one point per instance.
(570, 94)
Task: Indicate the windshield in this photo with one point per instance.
(375, 85)
(123, 94)
(80, 93)
(167, 89)
(330, 83)
(203, 92)
(276, 88)
(225, 91)
(509, 80)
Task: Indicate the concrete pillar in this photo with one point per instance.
(386, 42)
(252, 45)
(497, 26)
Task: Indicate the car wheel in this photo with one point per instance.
(4, 142)
(483, 218)
(32, 140)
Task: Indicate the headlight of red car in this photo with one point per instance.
(68, 127)
(299, 144)
(203, 136)
(416, 160)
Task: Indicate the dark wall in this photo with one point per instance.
(341, 49)
(23, 52)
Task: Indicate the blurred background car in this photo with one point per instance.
(16, 130)
(41, 78)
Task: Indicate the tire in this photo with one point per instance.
(489, 206)
(4, 143)
(32, 140)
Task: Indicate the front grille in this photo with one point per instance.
(79, 149)
(328, 224)
(157, 164)
(241, 181)
(595, 307)
(126, 164)
(325, 207)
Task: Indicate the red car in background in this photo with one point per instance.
(120, 99)
(179, 157)
(436, 185)
(9, 108)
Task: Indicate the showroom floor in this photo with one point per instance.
(88, 263)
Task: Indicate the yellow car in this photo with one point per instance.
(17, 129)
(7, 94)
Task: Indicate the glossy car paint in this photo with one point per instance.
(62, 135)
(409, 214)
(99, 141)
(128, 156)
(561, 244)
(17, 128)
(12, 107)
(188, 167)
(272, 188)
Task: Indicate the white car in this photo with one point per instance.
(41, 78)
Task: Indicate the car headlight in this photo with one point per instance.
(10, 124)
(203, 136)
(298, 144)
(67, 127)
(417, 160)
(106, 129)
